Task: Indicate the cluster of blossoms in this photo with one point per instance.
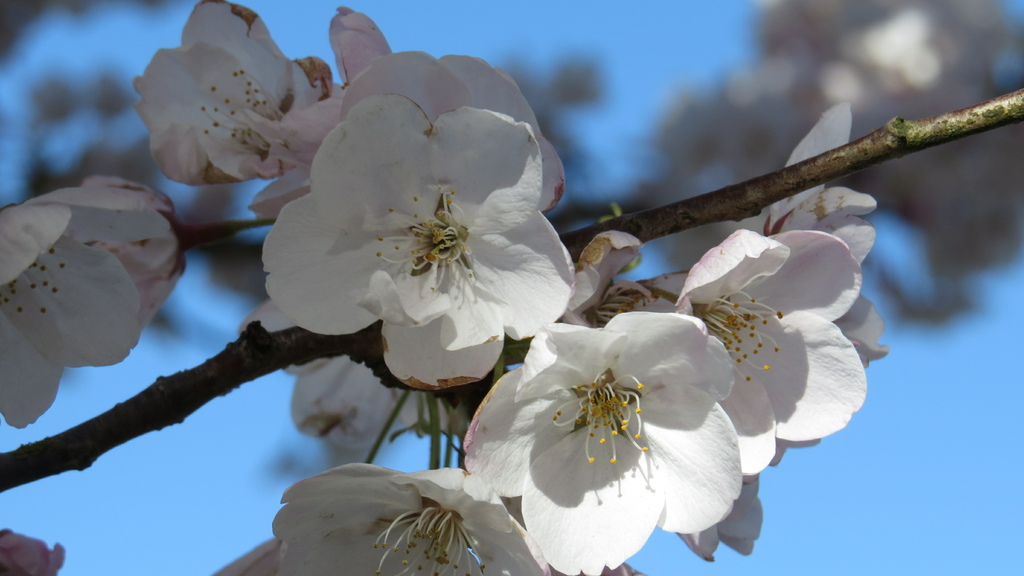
(414, 196)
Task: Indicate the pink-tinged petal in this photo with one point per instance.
(26, 232)
(863, 325)
(528, 270)
(836, 210)
(588, 515)
(78, 306)
(415, 356)
(501, 436)
(229, 26)
(319, 286)
(490, 161)
(268, 202)
(29, 382)
(696, 461)
(269, 316)
(817, 382)
(381, 155)
(296, 138)
(415, 75)
(356, 41)
(820, 276)
(24, 556)
(263, 560)
(740, 259)
(750, 410)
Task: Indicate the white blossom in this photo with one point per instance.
(432, 227)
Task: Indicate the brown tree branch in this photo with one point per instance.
(171, 399)
(256, 352)
(897, 138)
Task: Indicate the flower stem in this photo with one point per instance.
(387, 426)
(193, 235)
(435, 432)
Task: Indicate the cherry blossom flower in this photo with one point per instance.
(442, 85)
(228, 105)
(432, 227)
(607, 433)
(64, 299)
(24, 556)
(367, 519)
(773, 303)
(738, 530)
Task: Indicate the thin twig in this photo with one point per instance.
(897, 138)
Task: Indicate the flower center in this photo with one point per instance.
(431, 542)
(234, 100)
(742, 324)
(425, 243)
(607, 408)
(618, 298)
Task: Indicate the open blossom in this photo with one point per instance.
(228, 105)
(607, 433)
(773, 303)
(64, 299)
(364, 519)
(24, 556)
(432, 227)
(445, 84)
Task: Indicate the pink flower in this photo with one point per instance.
(24, 556)
(228, 105)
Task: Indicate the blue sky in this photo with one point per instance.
(922, 481)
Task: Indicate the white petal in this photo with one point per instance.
(78, 307)
(816, 390)
(415, 355)
(673, 348)
(696, 460)
(377, 160)
(315, 283)
(586, 515)
(26, 232)
(29, 381)
(750, 410)
(501, 437)
(831, 131)
(490, 161)
(528, 271)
